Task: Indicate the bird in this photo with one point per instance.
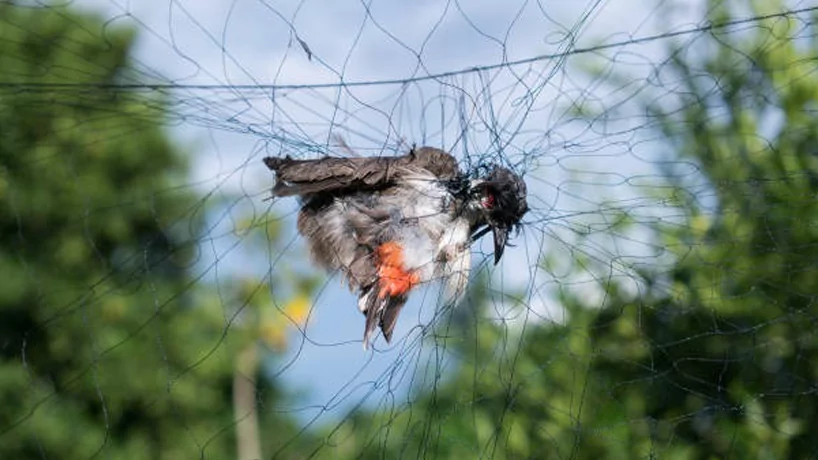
(391, 223)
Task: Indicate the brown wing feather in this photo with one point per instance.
(338, 175)
(436, 161)
(332, 174)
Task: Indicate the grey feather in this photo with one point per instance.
(352, 206)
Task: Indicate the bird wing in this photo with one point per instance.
(367, 235)
(335, 174)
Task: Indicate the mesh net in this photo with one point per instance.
(659, 301)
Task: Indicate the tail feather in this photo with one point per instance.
(390, 316)
(380, 312)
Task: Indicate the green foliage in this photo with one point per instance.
(715, 358)
(730, 348)
(515, 394)
(109, 344)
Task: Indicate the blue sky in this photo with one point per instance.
(517, 114)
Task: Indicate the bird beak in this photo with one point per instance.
(500, 239)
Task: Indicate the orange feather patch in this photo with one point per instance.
(394, 278)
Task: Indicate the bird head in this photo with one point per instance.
(499, 199)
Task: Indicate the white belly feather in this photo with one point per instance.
(438, 246)
(435, 240)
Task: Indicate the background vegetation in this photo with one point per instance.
(112, 346)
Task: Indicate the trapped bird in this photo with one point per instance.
(391, 223)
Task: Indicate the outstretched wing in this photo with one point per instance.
(334, 174)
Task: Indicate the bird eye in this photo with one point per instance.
(488, 200)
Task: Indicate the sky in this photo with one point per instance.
(264, 56)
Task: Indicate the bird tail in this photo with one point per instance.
(380, 311)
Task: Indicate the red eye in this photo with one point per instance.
(488, 200)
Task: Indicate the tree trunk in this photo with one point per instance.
(248, 443)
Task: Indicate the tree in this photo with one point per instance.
(514, 394)
(109, 343)
(714, 358)
(727, 356)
